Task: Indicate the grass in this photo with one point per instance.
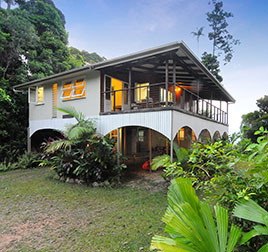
(39, 213)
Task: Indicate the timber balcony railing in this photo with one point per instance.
(147, 96)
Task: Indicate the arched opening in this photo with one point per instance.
(216, 135)
(42, 136)
(139, 144)
(185, 137)
(204, 136)
(225, 135)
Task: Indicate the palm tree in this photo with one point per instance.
(198, 34)
(191, 225)
(79, 133)
(250, 210)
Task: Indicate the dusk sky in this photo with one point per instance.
(114, 28)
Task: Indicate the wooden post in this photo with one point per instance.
(118, 144)
(211, 97)
(104, 93)
(125, 140)
(198, 89)
(29, 147)
(150, 148)
(220, 111)
(174, 83)
(166, 83)
(227, 117)
(129, 87)
(171, 138)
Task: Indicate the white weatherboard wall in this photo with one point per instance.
(197, 124)
(159, 121)
(90, 105)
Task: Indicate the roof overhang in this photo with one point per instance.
(189, 62)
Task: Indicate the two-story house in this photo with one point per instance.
(142, 99)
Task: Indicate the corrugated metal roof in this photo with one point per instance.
(180, 48)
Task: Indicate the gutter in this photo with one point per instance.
(51, 77)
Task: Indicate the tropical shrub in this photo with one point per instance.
(250, 210)
(191, 225)
(28, 160)
(172, 169)
(82, 154)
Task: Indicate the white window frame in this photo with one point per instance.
(72, 95)
(36, 96)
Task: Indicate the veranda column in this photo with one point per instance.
(129, 87)
(174, 82)
(171, 138)
(28, 129)
(118, 144)
(166, 83)
(150, 148)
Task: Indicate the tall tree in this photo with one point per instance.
(198, 33)
(222, 40)
(212, 64)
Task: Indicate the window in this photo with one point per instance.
(54, 99)
(163, 95)
(141, 136)
(73, 89)
(141, 92)
(40, 95)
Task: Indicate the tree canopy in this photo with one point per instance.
(252, 121)
(33, 44)
(222, 40)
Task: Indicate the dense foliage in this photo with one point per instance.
(33, 44)
(254, 120)
(28, 160)
(190, 223)
(83, 154)
(224, 173)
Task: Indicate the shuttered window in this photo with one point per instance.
(54, 99)
(74, 89)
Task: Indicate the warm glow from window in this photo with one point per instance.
(163, 95)
(74, 89)
(193, 136)
(141, 92)
(54, 99)
(79, 86)
(116, 85)
(181, 134)
(40, 95)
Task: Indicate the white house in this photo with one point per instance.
(141, 99)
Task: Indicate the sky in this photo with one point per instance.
(113, 28)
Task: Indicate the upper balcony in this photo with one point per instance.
(153, 96)
(166, 77)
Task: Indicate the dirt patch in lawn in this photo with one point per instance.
(147, 180)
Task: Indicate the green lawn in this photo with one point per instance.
(39, 213)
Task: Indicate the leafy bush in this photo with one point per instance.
(172, 169)
(191, 225)
(83, 154)
(250, 210)
(26, 161)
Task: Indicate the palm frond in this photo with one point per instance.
(191, 225)
(250, 210)
(160, 161)
(58, 144)
(79, 116)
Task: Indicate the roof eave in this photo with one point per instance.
(51, 77)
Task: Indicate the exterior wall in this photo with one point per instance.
(88, 105)
(197, 124)
(159, 121)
